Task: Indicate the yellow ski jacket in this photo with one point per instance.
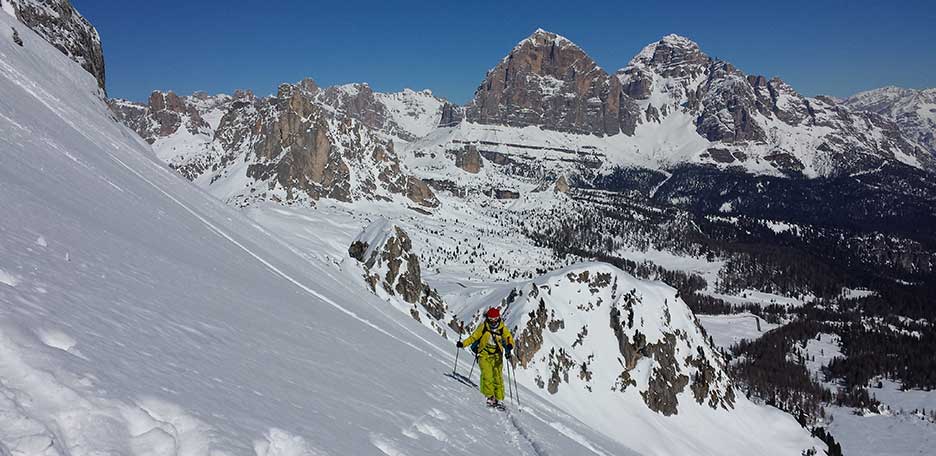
(490, 340)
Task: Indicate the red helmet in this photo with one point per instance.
(493, 313)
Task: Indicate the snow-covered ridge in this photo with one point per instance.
(621, 354)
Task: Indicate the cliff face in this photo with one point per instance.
(547, 80)
(60, 24)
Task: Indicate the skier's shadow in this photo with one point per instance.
(461, 379)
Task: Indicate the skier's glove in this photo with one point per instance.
(459, 344)
(508, 351)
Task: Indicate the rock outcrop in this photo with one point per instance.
(548, 81)
(392, 270)
(566, 321)
(163, 115)
(469, 159)
(406, 115)
(60, 24)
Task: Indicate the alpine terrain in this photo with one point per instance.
(690, 259)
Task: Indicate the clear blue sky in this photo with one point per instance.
(820, 46)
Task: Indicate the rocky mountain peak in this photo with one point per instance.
(392, 270)
(914, 111)
(542, 38)
(672, 57)
(548, 81)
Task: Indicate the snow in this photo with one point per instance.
(8, 279)
(820, 351)
(896, 431)
(913, 110)
(698, 265)
(849, 293)
(8, 7)
(325, 231)
(728, 330)
(761, 298)
(416, 113)
(198, 332)
(779, 227)
(874, 435)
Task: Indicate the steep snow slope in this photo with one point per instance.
(140, 316)
(553, 367)
(57, 22)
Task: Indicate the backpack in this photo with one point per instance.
(476, 345)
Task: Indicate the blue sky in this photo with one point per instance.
(820, 47)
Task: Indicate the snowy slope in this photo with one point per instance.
(622, 413)
(140, 316)
(414, 114)
(57, 22)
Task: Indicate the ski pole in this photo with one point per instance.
(455, 369)
(509, 387)
(516, 388)
(472, 367)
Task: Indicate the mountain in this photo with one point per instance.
(141, 316)
(709, 140)
(914, 111)
(57, 22)
(671, 105)
(291, 147)
(406, 115)
(300, 145)
(548, 81)
(177, 127)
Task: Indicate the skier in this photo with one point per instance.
(490, 340)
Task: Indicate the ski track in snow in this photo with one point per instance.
(266, 263)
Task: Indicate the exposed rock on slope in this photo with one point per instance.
(547, 80)
(914, 111)
(392, 267)
(60, 24)
(179, 128)
(406, 115)
(596, 328)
